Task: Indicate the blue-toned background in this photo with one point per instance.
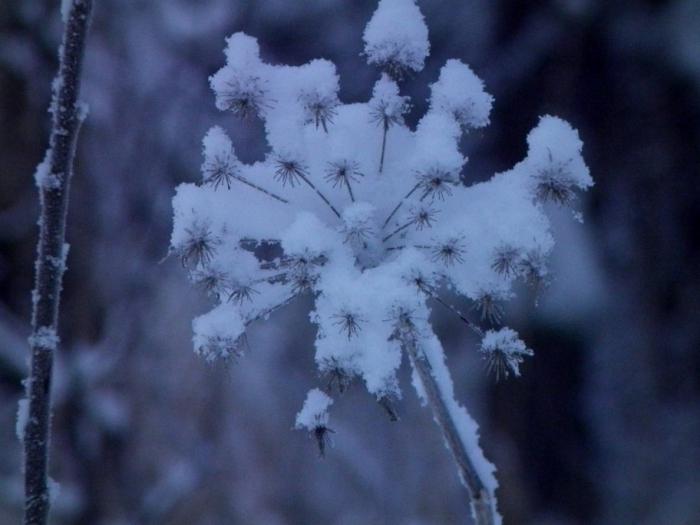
(604, 425)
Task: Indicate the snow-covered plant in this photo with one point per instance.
(372, 219)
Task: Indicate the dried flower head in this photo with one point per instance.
(240, 293)
(503, 352)
(212, 280)
(199, 246)
(244, 97)
(506, 260)
(348, 322)
(220, 169)
(488, 304)
(554, 183)
(320, 108)
(343, 172)
(437, 183)
(423, 217)
(449, 252)
(289, 170)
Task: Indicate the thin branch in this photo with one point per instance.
(482, 502)
(259, 188)
(381, 159)
(50, 265)
(433, 295)
(303, 177)
(398, 230)
(398, 206)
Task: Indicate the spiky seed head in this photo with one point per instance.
(212, 280)
(505, 260)
(289, 170)
(449, 252)
(554, 183)
(244, 97)
(503, 352)
(218, 347)
(388, 113)
(322, 435)
(338, 375)
(220, 169)
(436, 183)
(348, 322)
(341, 172)
(488, 304)
(240, 293)
(533, 269)
(199, 247)
(320, 109)
(423, 217)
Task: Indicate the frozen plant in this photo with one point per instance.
(371, 219)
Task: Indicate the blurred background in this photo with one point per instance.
(604, 425)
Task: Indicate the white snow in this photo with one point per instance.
(66, 6)
(461, 93)
(45, 338)
(314, 413)
(22, 417)
(397, 34)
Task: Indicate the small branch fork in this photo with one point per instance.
(51, 261)
(481, 500)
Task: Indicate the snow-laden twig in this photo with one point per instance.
(482, 501)
(52, 251)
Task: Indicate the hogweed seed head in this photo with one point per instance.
(505, 260)
(244, 97)
(437, 183)
(449, 252)
(319, 108)
(503, 352)
(342, 172)
(199, 247)
(289, 170)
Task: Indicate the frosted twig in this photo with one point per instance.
(481, 500)
(67, 117)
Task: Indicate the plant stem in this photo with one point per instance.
(260, 189)
(319, 193)
(482, 503)
(398, 206)
(381, 159)
(50, 264)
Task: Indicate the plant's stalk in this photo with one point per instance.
(398, 230)
(50, 264)
(433, 295)
(259, 188)
(398, 206)
(386, 131)
(318, 192)
(482, 503)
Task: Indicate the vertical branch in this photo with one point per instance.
(50, 264)
(482, 501)
(381, 159)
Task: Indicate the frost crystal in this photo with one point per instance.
(367, 216)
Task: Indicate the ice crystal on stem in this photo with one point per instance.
(371, 219)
